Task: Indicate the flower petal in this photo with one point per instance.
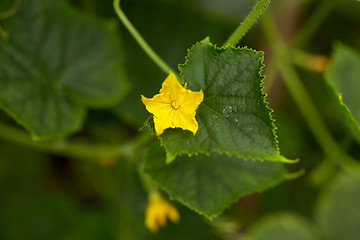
(189, 101)
(165, 121)
(172, 87)
(150, 219)
(188, 122)
(173, 214)
(159, 105)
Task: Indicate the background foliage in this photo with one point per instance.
(51, 191)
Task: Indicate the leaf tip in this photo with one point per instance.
(290, 161)
(294, 175)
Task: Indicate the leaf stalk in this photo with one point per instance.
(247, 23)
(75, 149)
(296, 88)
(140, 40)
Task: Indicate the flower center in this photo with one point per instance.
(175, 104)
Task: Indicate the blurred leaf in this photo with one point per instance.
(55, 64)
(338, 212)
(233, 118)
(209, 184)
(343, 76)
(281, 226)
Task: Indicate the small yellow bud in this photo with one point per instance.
(318, 63)
(157, 211)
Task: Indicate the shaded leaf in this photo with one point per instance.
(281, 226)
(343, 76)
(209, 184)
(55, 64)
(338, 212)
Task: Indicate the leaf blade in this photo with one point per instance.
(234, 117)
(49, 68)
(342, 77)
(209, 184)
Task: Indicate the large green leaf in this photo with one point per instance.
(55, 64)
(209, 184)
(343, 76)
(281, 226)
(338, 212)
(233, 118)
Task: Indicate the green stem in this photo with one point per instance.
(12, 11)
(7, 14)
(3, 34)
(314, 22)
(143, 44)
(293, 82)
(247, 23)
(73, 149)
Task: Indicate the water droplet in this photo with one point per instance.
(227, 111)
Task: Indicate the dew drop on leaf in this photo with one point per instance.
(227, 111)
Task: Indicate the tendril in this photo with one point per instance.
(8, 14)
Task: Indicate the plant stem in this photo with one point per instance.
(7, 14)
(314, 22)
(3, 34)
(247, 23)
(143, 44)
(12, 11)
(297, 89)
(73, 149)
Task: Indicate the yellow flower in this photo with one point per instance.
(157, 211)
(174, 106)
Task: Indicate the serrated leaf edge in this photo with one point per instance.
(286, 177)
(276, 158)
(355, 127)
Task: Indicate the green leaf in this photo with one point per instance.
(338, 212)
(281, 226)
(55, 65)
(209, 184)
(343, 76)
(233, 118)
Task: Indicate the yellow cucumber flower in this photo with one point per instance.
(157, 211)
(174, 106)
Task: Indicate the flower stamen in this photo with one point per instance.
(175, 104)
